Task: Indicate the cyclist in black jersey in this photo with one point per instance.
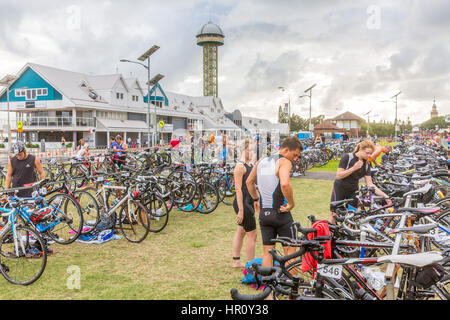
(272, 175)
(245, 210)
(353, 167)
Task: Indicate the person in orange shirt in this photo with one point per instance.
(378, 150)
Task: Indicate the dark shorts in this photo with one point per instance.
(339, 193)
(273, 224)
(249, 221)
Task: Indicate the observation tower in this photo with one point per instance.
(210, 37)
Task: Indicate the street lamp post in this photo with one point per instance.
(143, 57)
(153, 82)
(310, 103)
(396, 121)
(289, 108)
(368, 121)
(7, 81)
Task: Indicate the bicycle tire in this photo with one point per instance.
(209, 198)
(134, 227)
(328, 291)
(89, 208)
(226, 189)
(24, 257)
(158, 213)
(71, 223)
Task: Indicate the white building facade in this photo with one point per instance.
(53, 103)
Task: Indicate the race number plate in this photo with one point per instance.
(332, 271)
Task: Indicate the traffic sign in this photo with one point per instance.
(19, 124)
(161, 124)
(20, 129)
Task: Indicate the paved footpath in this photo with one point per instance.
(323, 175)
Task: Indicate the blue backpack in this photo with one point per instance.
(249, 273)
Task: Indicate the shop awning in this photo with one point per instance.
(122, 125)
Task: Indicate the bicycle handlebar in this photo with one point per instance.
(235, 295)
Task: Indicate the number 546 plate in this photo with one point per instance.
(332, 271)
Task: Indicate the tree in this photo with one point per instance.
(298, 123)
(282, 117)
(433, 122)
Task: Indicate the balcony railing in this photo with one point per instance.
(58, 122)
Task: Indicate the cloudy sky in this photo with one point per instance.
(357, 52)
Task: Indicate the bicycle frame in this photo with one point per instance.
(25, 214)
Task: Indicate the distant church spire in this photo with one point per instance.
(434, 112)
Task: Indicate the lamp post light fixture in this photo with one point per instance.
(7, 81)
(289, 107)
(146, 56)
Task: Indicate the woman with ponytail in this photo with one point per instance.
(353, 167)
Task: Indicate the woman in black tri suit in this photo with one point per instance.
(353, 167)
(245, 210)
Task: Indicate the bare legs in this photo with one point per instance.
(238, 241)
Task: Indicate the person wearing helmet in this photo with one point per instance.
(21, 169)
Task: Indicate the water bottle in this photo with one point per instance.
(113, 204)
(375, 279)
(156, 215)
(378, 224)
(57, 202)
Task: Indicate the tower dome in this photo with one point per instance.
(210, 33)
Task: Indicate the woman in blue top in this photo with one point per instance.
(120, 148)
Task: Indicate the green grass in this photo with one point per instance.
(189, 259)
(332, 165)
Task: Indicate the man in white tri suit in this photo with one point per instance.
(272, 175)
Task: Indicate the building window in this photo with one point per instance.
(157, 103)
(31, 94)
(121, 96)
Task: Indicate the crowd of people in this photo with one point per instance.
(263, 188)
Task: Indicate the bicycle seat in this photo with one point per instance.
(417, 259)
(420, 163)
(421, 228)
(422, 190)
(420, 211)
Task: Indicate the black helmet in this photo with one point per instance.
(18, 147)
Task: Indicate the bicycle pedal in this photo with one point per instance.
(5, 267)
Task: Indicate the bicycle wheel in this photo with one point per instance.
(25, 263)
(226, 189)
(68, 216)
(343, 291)
(182, 192)
(77, 171)
(158, 213)
(89, 208)
(209, 198)
(134, 222)
(442, 239)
